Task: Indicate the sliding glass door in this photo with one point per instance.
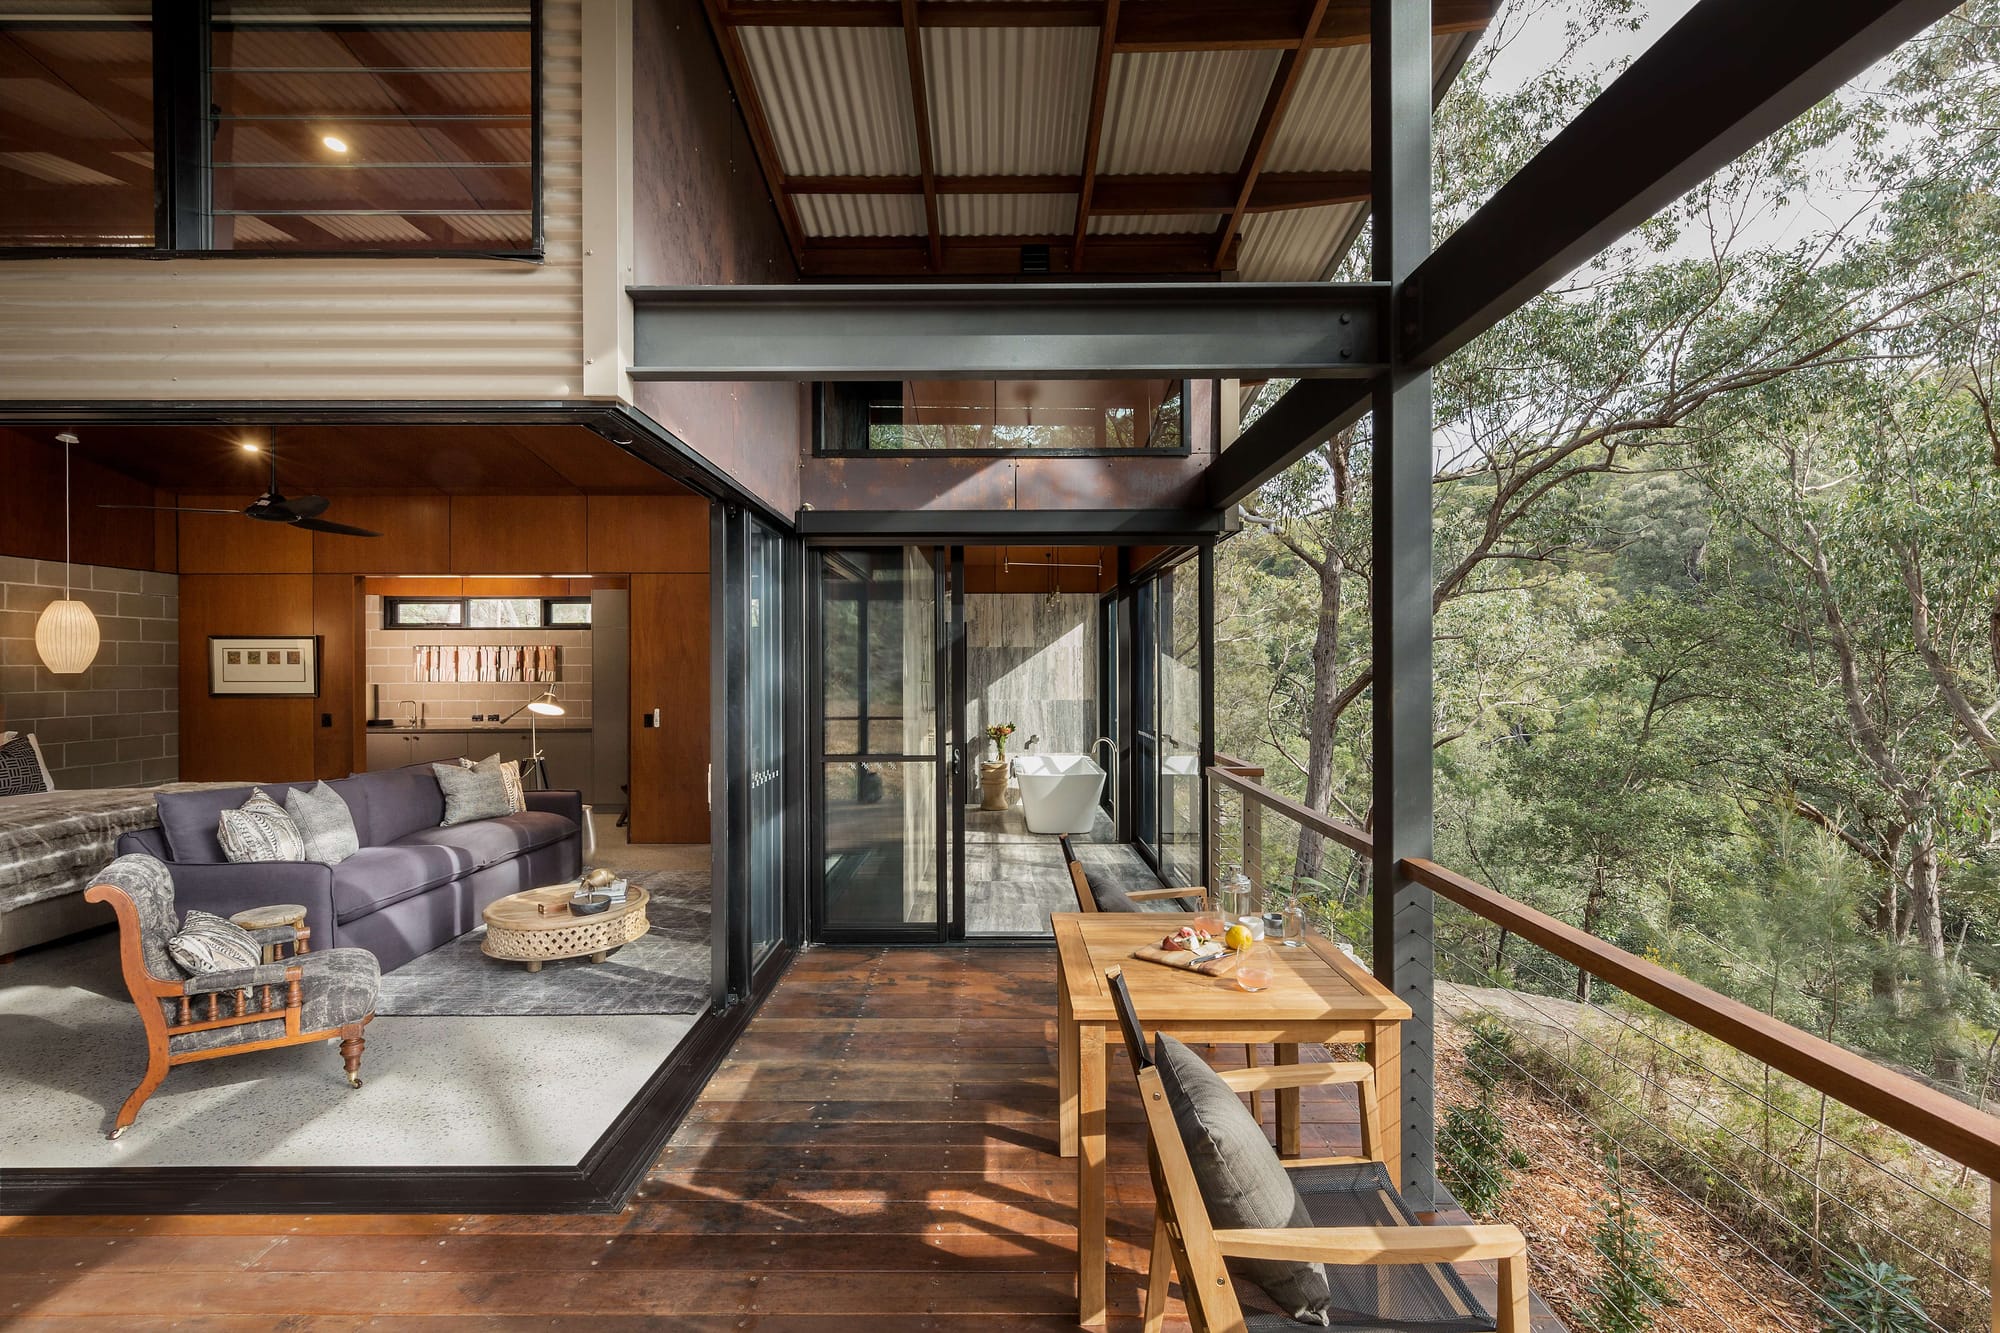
(764, 679)
(881, 776)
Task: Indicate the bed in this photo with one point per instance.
(51, 843)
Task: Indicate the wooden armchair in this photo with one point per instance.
(1086, 897)
(1418, 1291)
(308, 997)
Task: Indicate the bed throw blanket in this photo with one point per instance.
(52, 842)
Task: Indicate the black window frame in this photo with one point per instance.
(182, 55)
(391, 604)
(820, 449)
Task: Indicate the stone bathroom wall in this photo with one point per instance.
(1033, 663)
(118, 723)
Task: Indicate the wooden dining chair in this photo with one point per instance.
(1381, 1262)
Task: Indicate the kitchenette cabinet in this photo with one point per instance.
(566, 752)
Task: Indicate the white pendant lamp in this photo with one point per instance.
(66, 635)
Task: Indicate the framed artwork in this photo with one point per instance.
(269, 666)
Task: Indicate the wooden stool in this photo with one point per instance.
(277, 914)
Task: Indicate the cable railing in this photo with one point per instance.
(1840, 1190)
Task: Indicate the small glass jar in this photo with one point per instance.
(1294, 931)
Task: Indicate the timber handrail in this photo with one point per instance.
(1237, 766)
(1347, 835)
(1933, 1118)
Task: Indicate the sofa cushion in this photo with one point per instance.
(260, 831)
(490, 841)
(398, 802)
(325, 823)
(190, 818)
(471, 793)
(375, 877)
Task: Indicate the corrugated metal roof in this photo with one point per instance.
(1137, 224)
(1004, 214)
(1008, 101)
(862, 214)
(1183, 110)
(837, 99)
(1297, 245)
(1325, 128)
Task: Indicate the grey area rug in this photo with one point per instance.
(664, 972)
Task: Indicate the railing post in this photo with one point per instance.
(1253, 848)
(1400, 495)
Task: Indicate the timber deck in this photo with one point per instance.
(876, 1155)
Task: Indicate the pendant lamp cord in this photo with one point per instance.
(68, 519)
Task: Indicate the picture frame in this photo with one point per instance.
(263, 666)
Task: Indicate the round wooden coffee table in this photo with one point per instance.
(537, 926)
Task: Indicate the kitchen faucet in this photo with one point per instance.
(410, 705)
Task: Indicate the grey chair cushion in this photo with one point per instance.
(208, 943)
(336, 987)
(471, 793)
(1242, 1181)
(325, 824)
(259, 831)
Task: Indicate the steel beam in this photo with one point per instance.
(1719, 81)
(1041, 331)
(1400, 611)
(1299, 422)
(1019, 527)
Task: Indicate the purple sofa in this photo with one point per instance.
(411, 887)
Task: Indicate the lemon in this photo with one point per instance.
(1238, 938)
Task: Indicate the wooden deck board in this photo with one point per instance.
(876, 1156)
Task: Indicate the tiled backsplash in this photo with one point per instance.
(391, 666)
(118, 723)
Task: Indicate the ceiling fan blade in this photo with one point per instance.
(173, 509)
(304, 506)
(326, 525)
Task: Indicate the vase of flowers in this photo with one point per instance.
(993, 773)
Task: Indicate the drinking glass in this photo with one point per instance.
(1209, 923)
(1253, 969)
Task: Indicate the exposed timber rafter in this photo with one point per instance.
(1284, 81)
(920, 110)
(1166, 193)
(758, 124)
(1100, 92)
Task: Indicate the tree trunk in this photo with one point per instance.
(1593, 913)
(1927, 924)
(1324, 722)
(1885, 983)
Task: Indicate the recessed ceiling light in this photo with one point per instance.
(337, 144)
(248, 446)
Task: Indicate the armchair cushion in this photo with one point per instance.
(207, 943)
(337, 987)
(1242, 1180)
(239, 978)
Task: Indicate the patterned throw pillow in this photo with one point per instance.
(325, 824)
(471, 793)
(510, 773)
(21, 767)
(207, 943)
(260, 830)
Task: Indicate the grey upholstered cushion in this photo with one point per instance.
(325, 824)
(471, 793)
(150, 886)
(259, 830)
(336, 986)
(207, 943)
(21, 770)
(1242, 1180)
(510, 773)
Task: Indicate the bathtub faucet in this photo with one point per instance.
(1029, 744)
(1110, 750)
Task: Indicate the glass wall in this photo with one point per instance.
(76, 103)
(764, 717)
(880, 813)
(1002, 416)
(1179, 674)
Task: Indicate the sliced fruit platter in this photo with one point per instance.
(1191, 949)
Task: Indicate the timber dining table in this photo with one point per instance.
(1318, 993)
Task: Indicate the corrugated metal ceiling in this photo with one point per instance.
(838, 99)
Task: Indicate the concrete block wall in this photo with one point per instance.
(118, 723)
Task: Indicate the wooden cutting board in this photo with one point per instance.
(1207, 965)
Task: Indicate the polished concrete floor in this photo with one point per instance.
(435, 1091)
(1014, 879)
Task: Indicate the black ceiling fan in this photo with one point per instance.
(273, 507)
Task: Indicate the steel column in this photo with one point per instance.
(1400, 480)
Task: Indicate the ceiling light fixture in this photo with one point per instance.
(335, 143)
(66, 636)
(248, 446)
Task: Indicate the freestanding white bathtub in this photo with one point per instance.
(1059, 792)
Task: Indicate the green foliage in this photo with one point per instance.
(1473, 1157)
(1869, 1295)
(1630, 1284)
(1489, 1052)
